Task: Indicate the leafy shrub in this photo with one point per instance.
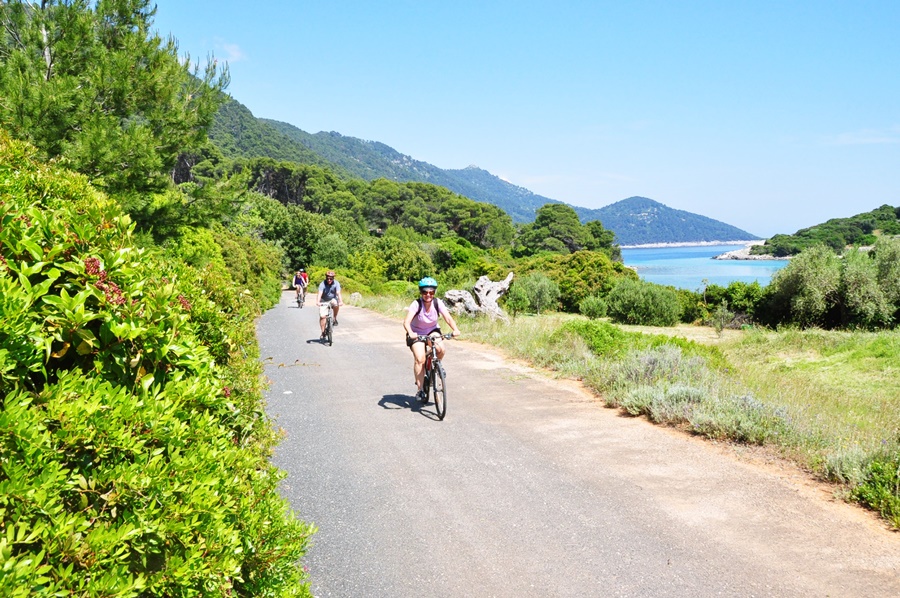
(693, 308)
(579, 275)
(135, 459)
(881, 488)
(887, 264)
(403, 260)
(637, 302)
(721, 317)
(593, 307)
(331, 251)
(542, 292)
(806, 290)
(863, 303)
(516, 299)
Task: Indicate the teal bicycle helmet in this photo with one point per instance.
(428, 282)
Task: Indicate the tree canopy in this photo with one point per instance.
(92, 85)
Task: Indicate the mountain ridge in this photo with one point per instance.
(634, 220)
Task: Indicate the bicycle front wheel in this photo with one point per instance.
(328, 331)
(440, 390)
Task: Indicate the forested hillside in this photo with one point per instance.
(837, 233)
(371, 159)
(633, 222)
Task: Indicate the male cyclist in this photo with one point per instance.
(421, 320)
(301, 281)
(329, 293)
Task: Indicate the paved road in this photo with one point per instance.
(530, 487)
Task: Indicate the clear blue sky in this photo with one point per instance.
(770, 116)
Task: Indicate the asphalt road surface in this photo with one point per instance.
(530, 487)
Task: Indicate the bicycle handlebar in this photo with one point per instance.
(425, 337)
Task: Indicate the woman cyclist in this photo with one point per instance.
(421, 320)
(301, 280)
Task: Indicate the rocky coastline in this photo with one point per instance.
(744, 254)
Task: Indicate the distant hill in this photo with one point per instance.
(640, 221)
(635, 221)
(837, 233)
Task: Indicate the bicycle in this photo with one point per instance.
(329, 325)
(435, 375)
(301, 297)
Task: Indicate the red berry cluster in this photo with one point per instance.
(111, 290)
(92, 266)
(184, 302)
(227, 391)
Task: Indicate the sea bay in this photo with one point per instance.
(688, 267)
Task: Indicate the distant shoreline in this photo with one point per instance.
(693, 244)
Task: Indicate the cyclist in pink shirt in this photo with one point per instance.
(421, 320)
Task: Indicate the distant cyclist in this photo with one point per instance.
(329, 293)
(421, 320)
(301, 282)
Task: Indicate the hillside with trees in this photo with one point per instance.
(837, 233)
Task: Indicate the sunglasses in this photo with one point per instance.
(427, 292)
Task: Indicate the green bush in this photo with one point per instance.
(578, 275)
(593, 307)
(880, 489)
(515, 300)
(637, 302)
(542, 292)
(135, 451)
(693, 308)
(863, 303)
(398, 288)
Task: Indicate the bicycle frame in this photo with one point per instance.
(434, 375)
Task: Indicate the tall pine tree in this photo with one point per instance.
(91, 84)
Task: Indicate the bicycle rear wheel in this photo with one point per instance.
(440, 390)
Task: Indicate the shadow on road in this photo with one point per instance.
(408, 402)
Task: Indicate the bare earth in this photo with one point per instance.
(531, 487)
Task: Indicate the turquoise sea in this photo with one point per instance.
(687, 267)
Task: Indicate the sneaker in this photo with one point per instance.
(422, 396)
(335, 322)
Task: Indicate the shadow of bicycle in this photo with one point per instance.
(408, 402)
